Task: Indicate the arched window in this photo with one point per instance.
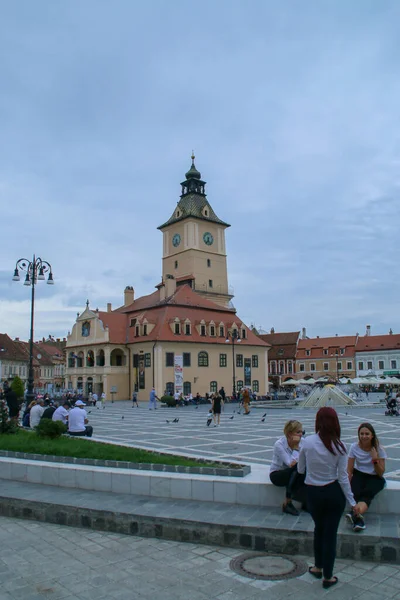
(90, 359)
(213, 387)
(79, 383)
(170, 388)
(117, 358)
(187, 388)
(256, 386)
(79, 360)
(100, 358)
(71, 360)
(281, 367)
(89, 385)
(203, 359)
(239, 385)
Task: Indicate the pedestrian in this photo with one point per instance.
(246, 401)
(134, 399)
(153, 399)
(283, 469)
(177, 398)
(95, 398)
(103, 400)
(78, 421)
(217, 404)
(323, 457)
(366, 466)
(48, 411)
(12, 402)
(222, 394)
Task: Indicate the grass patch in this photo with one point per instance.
(29, 442)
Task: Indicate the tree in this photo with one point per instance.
(18, 387)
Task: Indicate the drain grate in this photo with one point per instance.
(270, 567)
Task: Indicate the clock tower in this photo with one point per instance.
(194, 242)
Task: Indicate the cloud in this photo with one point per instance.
(293, 116)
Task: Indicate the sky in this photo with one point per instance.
(291, 108)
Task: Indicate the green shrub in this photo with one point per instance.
(168, 400)
(7, 425)
(50, 429)
(17, 386)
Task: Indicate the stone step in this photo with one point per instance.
(247, 527)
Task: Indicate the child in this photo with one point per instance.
(209, 417)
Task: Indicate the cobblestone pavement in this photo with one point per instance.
(242, 438)
(39, 560)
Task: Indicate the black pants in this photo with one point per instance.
(87, 432)
(292, 480)
(365, 487)
(326, 505)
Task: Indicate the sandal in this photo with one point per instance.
(327, 584)
(316, 574)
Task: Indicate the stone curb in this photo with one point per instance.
(281, 541)
(225, 470)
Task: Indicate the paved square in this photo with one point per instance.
(39, 560)
(241, 438)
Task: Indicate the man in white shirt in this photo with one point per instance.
(77, 421)
(36, 413)
(61, 413)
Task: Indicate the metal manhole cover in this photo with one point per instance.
(270, 567)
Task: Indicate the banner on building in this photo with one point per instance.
(178, 371)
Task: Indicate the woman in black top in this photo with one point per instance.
(216, 408)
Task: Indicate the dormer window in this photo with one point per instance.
(144, 329)
(308, 352)
(178, 213)
(177, 328)
(137, 331)
(206, 213)
(187, 329)
(203, 330)
(243, 334)
(212, 330)
(221, 331)
(133, 322)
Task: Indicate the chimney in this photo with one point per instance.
(272, 330)
(65, 339)
(109, 307)
(161, 289)
(170, 285)
(390, 331)
(129, 295)
(58, 340)
(16, 339)
(368, 332)
(303, 334)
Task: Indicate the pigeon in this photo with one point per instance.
(167, 420)
(262, 420)
(89, 411)
(209, 422)
(234, 411)
(175, 421)
(196, 407)
(122, 417)
(264, 415)
(231, 417)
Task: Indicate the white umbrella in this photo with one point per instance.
(310, 381)
(290, 382)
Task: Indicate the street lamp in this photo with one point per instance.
(234, 336)
(36, 270)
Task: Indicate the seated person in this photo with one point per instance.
(49, 409)
(283, 470)
(36, 413)
(366, 466)
(61, 413)
(77, 421)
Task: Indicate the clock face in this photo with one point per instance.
(208, 238)
(176, 240)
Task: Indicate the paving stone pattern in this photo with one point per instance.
(243, 438)
(39, 560)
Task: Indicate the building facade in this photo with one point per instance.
(185, 336)
(378, 355)
(281, 355)
(332, 357)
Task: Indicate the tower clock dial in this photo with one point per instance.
(176, 240)
(208, 238)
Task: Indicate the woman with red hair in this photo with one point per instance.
(323, 457)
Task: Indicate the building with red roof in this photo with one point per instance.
(178, 338)
(378, 354)
(282, 354)
(332, 357)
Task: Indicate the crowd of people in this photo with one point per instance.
(318, 471)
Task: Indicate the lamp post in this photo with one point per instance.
(36, 270)
(234, 336)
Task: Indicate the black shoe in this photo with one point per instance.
(316, 574)
(327, 584)
(359, 524)
(350, 518)
(290, 509)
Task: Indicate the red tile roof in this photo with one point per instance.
(283, 345)
(10, 350)
(370, 343)
(318, 345)
(183, 304)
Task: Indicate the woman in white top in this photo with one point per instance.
(366, 466)
(283, 469)
(324, 459)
